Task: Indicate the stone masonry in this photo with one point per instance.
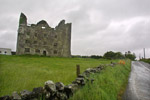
(41, 39)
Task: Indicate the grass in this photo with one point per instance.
(108, 85)
(27, 72)
(146, 60)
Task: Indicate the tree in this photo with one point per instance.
(113, 55)
(130, 56)
(109, 55)
(119, 55)
(96, 56)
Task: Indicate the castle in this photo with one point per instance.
(41, 39)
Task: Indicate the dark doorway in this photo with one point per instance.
(44, 53)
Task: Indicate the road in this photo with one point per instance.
(139, 82)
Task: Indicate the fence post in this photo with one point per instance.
(78, 70)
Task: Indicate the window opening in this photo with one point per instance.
(55, 51)
(27, 49)
(27, 41)
(44, 53)
(37, 51)
(55, 44)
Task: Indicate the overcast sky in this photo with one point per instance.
(98, 26)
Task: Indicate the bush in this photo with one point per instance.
(130, 56)
(96, 57)
(113, 55)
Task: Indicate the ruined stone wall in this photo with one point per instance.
(41, 39)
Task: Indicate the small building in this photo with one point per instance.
(5, 51)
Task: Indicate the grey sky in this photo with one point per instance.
(97, 25)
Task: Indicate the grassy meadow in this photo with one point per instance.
(109, 85)
(26, 72)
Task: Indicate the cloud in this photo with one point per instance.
(97, 26)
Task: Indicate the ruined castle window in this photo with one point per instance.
(27, 41)
(55, 44)
(43, 27)
(44, 53)
(55, 36)
(55, 51)
(0, 51)
(27, 49)
(35, 42)
(37, 50)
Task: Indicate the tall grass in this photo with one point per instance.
(107, 85)
(26, 72)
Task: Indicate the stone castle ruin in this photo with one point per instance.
(41, 39)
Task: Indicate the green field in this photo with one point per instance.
(26, 72)
(108, 85)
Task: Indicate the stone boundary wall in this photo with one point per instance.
(57, 91)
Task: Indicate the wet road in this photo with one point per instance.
(139, 82)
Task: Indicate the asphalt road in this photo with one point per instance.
(139, 82)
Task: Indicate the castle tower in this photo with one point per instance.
(41, 39)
